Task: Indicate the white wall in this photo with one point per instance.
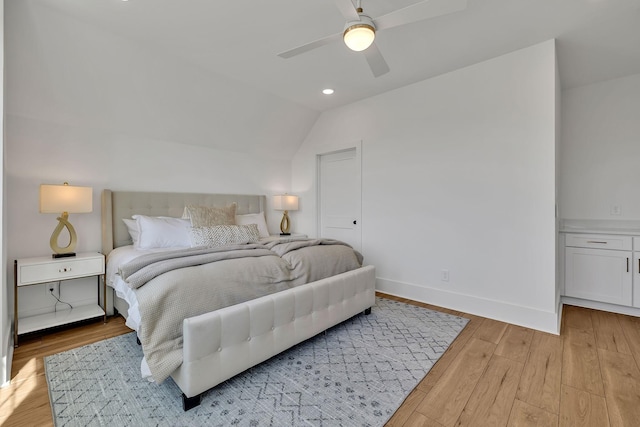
(458, 174)
(6, 342)
(89, 107)
(600, 150)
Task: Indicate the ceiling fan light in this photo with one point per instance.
(359, 36)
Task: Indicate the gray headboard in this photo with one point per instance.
(122, 204)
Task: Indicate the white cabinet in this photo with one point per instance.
(600, 268)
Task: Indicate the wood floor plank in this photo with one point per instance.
(491, 330)
(408, 407)
(515, 343)
(608, 332)
(540, 382)
(445, 360)
(580, 408)
(419, 420)
(631, 328)
(621, 387)
(491, 401)
(450, 394)
(525, 415)
(580, 365)
(577, 317)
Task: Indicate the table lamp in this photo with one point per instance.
(66, 199)
(286, 203)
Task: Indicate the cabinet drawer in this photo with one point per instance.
(599, 241)
(636, 243)
(62, 270)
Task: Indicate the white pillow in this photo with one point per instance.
(221, 235)
(162, 232)
(134, 231)
(258, 219)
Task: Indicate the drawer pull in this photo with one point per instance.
(64, 270)
(595, 241)
(627, 264)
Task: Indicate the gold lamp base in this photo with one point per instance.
(68, 251)
(284, 224)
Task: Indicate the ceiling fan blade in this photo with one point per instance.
(418, 12)
(347, 9)
(310, 46)
(376, 61)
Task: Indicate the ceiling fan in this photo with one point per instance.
(360, 29)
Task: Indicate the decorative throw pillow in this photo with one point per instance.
(162, 232)
(206, 216)
(221, 235)
(256, 218)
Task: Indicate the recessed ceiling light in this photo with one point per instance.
(327, 91)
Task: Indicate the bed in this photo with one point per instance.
(219, 344)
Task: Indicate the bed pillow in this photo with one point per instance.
(221, 235)
(132, 228)
(206, 216)
(256, 218)
(162, 232)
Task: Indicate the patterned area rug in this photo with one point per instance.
(355, 374)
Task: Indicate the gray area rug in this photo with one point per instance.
(355, 374)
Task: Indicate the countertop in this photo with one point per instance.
(594, 226)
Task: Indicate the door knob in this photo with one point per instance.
(354, 222)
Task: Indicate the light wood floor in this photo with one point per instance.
(494, 374)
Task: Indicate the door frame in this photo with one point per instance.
(332, 149)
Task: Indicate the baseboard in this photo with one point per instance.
(7, 359)
(614, 308)
(499, 310)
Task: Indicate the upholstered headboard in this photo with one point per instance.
(122, 204)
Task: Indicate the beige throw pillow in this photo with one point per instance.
(205, 216)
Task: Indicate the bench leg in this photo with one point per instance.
(367, 311)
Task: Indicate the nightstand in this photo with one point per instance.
(40, 270)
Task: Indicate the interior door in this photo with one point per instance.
(340, 196)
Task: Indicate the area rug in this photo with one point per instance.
(355, 374)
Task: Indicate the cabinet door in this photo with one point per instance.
(599, 275)
(636, 278)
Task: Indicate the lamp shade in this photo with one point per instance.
(65, 198)
(285, 202)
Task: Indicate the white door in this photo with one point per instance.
(339, 196)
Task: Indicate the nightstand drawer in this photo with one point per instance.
(50, 271)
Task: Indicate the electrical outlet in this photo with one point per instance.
(445, 276)
(616, 210)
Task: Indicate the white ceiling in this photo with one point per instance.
(597, 40)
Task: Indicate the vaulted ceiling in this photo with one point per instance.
(207, 72)
(597, 40)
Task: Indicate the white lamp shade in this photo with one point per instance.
(285, 202)
(359, 37)
(65, 198)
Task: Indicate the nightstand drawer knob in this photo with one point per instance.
(64, 270)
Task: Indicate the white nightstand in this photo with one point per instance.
(36, 271)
